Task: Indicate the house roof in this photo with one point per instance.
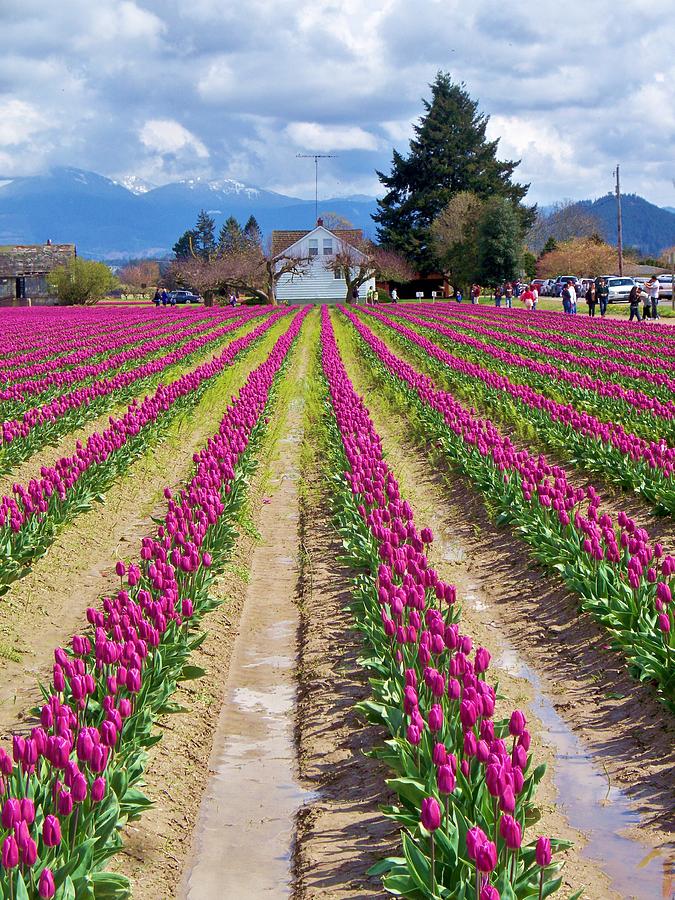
(282, 240)
(635, 269)
(33, 259)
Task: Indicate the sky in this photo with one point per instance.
(169, 89)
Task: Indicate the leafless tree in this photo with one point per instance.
(565, 221)
(361, 260)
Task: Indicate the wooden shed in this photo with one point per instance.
(24, 268)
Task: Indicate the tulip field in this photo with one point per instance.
(561, 427)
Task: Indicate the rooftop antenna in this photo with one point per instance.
(316, 157)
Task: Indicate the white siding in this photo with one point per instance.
(318, 283)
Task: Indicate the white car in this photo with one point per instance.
(619, 287)
(665, 286)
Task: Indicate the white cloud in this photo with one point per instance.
(164, 136)
(163, 89)
(19, 121)
(314, 136)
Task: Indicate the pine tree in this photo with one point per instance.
(183, 248)
(231, 237)
(449, 153)
(500, 241)
(252, 231)
(205, 240)
(550, 245)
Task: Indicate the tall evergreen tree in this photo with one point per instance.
(184, 246)
(231, 237)
(449, 153)
(205, 239)
(252, 231)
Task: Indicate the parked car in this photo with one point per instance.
(666, 286)
(547, 287)
(560, 283)
(619, 288)
(184, 297)
(539, 283)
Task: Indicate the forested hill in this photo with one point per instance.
(648, 227)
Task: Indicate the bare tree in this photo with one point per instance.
(565, 221)
(361, 260)
(141, 274)
(250, 268)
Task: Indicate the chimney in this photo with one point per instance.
(319, 221)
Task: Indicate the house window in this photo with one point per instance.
(327, 247)
(337, 273)
(313, 247)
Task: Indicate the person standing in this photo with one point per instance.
(394, 295)
(535, 294)
(653, 288)
(566, 299)
(498, 296)
(475, 293)
(591, 299)
(459, 296)
(646, 305)
(164, 298)
(602, 294)
(634, 303)
(157, 299)
(573, 297)
(527, 298)
(508, 295)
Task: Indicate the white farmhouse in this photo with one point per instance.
(318, 282)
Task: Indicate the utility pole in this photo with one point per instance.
(619, 222)
(316, 157)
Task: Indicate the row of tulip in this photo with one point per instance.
(623, 579)
(613, 333)
(71, 785)
(31, 517)
(55, 334)
(639, 354)
(465, 780)
(47, 423)
(597, 446)
(652, 376)
(633, 407)
(105, 355)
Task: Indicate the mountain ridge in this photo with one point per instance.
(129, 217)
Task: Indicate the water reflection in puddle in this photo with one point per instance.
(590, 802)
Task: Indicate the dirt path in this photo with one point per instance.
(47, 606)
(509, 604)
(157, 849)
(342, 833)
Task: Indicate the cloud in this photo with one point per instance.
(313, 136)
(163, 89)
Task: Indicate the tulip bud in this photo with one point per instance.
(474, 838)
(486, 857)
(10, 853)
(543, 852)
(517, 723)
(430, 814)
(98, 790)
(489, 892)
(11, 813)
(64, 804)
(46, 885)
(445, 779)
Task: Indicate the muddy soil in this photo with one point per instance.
(509, 603)
(342, 833)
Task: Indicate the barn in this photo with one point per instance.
(24, 269)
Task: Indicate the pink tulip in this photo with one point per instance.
(430, 814)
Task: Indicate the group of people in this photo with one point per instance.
(162, 298)
(527, 294)
(649, 298)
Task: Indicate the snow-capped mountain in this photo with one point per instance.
(135, 184)
(126, 217)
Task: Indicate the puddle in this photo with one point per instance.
(591, 804)
(244, 836)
